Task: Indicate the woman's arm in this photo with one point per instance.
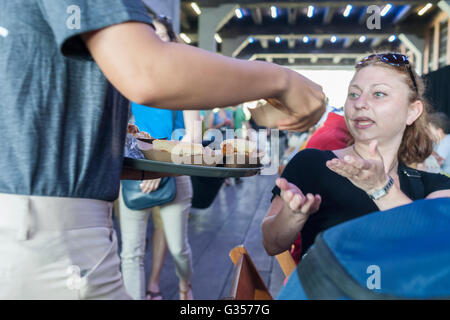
(394, 198)
(439, 194)
(286, 217)
(280, 227)
(173, 75)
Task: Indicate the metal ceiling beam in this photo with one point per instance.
(265, 43)
(402, 15)
(328, 16)
(292, 16)
(311, 56)
(298, 4)
(257, 16)
(377, 41)
(322, 36)
(348, 42)
(234, 31)
(337, 59)
(319, 42)
(291, 43)
(362, 17)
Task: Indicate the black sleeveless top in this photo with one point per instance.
(341, 200)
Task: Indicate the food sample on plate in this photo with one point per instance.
(240, 153)
(132, 129)
(179, 152)
(143, 134)
(140, 135)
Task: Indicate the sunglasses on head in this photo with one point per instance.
(394, 59)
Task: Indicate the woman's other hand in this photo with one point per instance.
(148, 186)
(296, 201)
(368, 175)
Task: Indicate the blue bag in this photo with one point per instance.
(135, 199)
(401, 253)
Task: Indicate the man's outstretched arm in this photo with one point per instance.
(177, 76)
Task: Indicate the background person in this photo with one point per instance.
(440, 130)
(170, 220)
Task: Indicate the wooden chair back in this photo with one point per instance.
(286, 262)
(247, 283)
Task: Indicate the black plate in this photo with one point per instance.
(189, 169)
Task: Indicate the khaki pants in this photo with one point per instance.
(58, 248)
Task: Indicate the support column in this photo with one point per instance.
(210, 21)
(169, 8)
(417, 46)
(444, 5)
(231, 47)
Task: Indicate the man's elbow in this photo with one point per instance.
(143, 95)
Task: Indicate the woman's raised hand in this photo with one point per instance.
(148, 186)
(368, 175)
(295, 200)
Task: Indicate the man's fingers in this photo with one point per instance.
(300, 122)
(293, 123)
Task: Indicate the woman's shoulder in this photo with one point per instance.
(431, 181)
(435, 181)
(305, 167)
(313, 156)
(308, 163)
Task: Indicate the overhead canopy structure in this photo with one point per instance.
(307, 32)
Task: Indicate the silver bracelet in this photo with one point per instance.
(377, 194)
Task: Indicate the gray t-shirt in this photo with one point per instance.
(62, 125)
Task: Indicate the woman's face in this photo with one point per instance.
(377, 105)
(161, 31)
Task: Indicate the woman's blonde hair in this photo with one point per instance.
(416, 143)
